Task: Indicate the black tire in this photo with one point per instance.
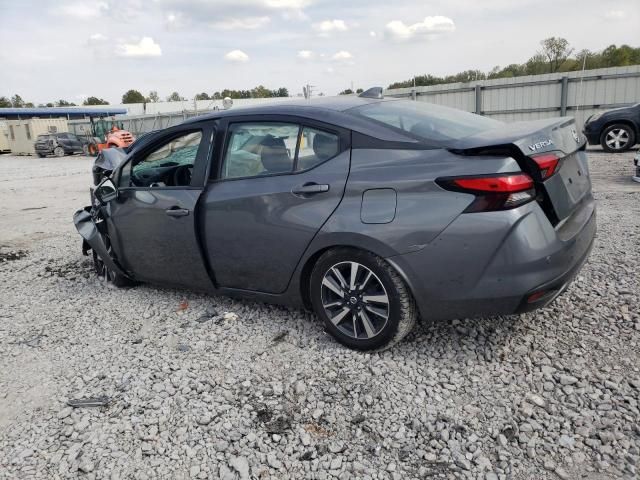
(108, 275)
(59, 152)
(42, 155)
(382, 332)
(617, 138)
(85, 149)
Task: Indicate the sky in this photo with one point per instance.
(71, 49)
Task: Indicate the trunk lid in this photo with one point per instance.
(561, 193)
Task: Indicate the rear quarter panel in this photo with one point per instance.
(423, 208)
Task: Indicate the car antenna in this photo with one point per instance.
(373, 92)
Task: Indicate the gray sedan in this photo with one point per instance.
(373, 212)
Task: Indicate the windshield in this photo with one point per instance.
(427, 121)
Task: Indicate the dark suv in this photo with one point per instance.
(616, 130)
(59, 144)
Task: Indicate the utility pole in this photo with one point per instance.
(307, 90)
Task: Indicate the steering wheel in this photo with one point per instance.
(182, 175)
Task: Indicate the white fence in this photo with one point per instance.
(576, 94)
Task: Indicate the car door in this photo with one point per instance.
(152, 224)
(278, 180)
(74, 142)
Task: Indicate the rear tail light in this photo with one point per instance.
(495, 192)
(547, 164)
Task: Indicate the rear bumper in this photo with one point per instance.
(490, 263)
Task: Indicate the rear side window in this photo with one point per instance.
(260, 149)
(271, 148)
(426, 121)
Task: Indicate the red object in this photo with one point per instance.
(547, 163)
(499, 184)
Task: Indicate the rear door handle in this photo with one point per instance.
(177, 212)
(310, 189)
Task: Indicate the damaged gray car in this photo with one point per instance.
(372, 212)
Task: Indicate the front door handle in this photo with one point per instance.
(177, 212)
(310, 188)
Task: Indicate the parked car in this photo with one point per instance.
(636, 163)
(616, 130)
(370, 211)
(60, 144)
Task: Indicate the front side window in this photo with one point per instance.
(170, 165)
(427, 121)
(260, 149)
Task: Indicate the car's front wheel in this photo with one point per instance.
(104, 273)
(361, 299)
(617, 138)
(58, 152)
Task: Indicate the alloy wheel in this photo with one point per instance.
(617, 139)
(355, 300)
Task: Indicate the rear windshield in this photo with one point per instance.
(426, 121)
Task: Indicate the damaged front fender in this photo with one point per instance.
(92, 239)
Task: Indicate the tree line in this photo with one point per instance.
(134, 96)
(555, 55)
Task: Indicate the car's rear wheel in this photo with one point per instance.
(361, 299)
(42, 155)
(104, 273)
(58, 152)
(617, 138)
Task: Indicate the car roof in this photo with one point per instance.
(331, 110)
(338, 104)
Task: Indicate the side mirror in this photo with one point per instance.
(106, 191)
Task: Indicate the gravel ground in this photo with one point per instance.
(206, 387)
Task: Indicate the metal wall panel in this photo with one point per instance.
(538, 96)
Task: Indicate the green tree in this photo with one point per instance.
(346, 91)
(202, 96)
(556, 51)
(95, 101)
(282, 92)
(133, 96)
(29, 105)
(17, 101)
(5, 102)
(64, 103)
(175, 97)
(153, 96)
(359, 90)
(49, 105)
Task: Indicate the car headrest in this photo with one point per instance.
(274, 155)
(325, 146)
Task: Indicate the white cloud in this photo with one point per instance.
(342, 56)
(146, 47)
(97, 38)
(330, 26)
(287, 4)
(398, 30)
(247, 23)
(83, 10)
(236, 56)
(615, 15)
(305, 54)
(372, 33)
